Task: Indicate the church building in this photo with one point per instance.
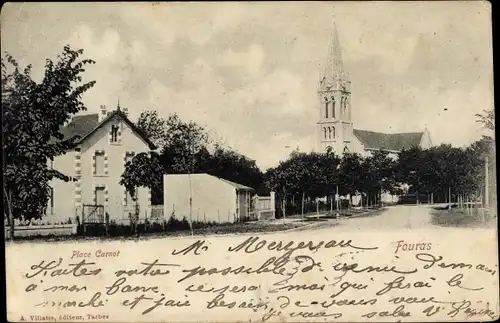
(335, 127)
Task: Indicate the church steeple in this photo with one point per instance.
(334, 124)
(333, 76)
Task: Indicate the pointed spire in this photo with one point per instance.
(334, 69)
(118, 104)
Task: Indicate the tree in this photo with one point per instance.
(153, 126)
(182, 142)
(144, 170)
(379, 174)
(33, 115)
(487, 119)
(232, 166)
(350, 174)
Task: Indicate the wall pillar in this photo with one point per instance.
(78, 183)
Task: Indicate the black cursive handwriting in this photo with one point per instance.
(353, 268)
(149, 270)
(431, 260)
(273, 265)
(456, 281)
(251, 245)
(77, 269)
(196, 248)
(399, 283)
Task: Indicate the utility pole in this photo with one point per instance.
(190, 170)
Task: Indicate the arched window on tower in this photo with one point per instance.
(326, 108)
(324, 130)
(329, 132)
(333, 132)
(333, 107)
(345, 106)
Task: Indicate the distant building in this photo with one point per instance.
(106, 141)
(213, 199)
(335, 127)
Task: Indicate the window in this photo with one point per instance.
(99, 163)
(329, 132)
(333, 132)
(324, 129)
(99, 195)
(333, 107)
(326, 108)
(114, 133)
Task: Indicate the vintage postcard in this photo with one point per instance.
(249, 162)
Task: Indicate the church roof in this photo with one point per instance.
(388, 141)
(83, 126)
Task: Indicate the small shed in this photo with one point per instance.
(213, 199)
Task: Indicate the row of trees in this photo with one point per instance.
(436, 171)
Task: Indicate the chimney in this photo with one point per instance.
(125, 111)
(102, 114)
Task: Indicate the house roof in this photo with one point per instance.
(388, 141)
(83, 126)
(236, 185)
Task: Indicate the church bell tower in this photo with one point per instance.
(334, 128)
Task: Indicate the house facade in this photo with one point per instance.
(105, 142)
(335, 127)
(213, 199)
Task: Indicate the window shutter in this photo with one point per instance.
(94, 163)
(105, 164)
(119, 135)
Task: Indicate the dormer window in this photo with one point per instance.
(114, 133)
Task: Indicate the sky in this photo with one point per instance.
(249, 72)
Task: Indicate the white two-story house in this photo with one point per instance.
(105, 142)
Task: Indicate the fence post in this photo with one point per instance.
(107, 223)
(83, 221)
(273, 204)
